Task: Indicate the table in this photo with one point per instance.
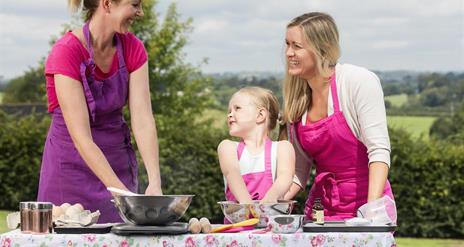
(242, 239)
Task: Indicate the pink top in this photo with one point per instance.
(68, 53)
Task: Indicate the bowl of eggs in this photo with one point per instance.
(67, 214)
(152, 210)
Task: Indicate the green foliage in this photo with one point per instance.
(180, 94)
(450, 128)
(427, 180)
(225, 86)
(190, 165)
(27, 88)
(21, 144)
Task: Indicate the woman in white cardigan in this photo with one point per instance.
(335, 116)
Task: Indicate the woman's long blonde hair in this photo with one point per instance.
(321, 34)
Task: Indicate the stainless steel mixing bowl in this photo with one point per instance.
(152, 210)
(236, 212)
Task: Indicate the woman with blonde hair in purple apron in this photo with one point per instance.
(92, 73)
(256, 168)
(336, 119)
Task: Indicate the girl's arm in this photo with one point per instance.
(227, 152)
(285, 172)
(70, 94)
(144, 128)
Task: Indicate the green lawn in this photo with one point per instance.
(417, 126)
(1, 97)
(3, 227)
(424, 242)
(397, 100)
(401, 242)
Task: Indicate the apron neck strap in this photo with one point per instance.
(333, 90)
(86, 31)
(267, 152)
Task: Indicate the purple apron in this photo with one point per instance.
(64, 176)
(342, 164)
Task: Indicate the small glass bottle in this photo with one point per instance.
(318, 212)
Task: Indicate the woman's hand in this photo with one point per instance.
(153, 190)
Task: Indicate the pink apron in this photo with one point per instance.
(342, 164)
(257, 183)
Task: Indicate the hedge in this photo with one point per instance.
(427, 177)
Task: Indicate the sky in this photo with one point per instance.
(244, 35)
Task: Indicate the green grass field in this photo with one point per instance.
(397, 100)
(401, 242)
(3, 227)
(417, 126)
(1, 97)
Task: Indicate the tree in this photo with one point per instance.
(450, 128)
(180, 93)
(27, 88)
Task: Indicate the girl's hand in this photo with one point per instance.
(153, 190)
(268, 199)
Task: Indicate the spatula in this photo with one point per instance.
(249, 222)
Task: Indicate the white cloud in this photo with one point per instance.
(390, 44)
(211, 25)
(248, 35)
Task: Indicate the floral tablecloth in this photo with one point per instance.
(242, 239)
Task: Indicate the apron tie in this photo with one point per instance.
(327, 189)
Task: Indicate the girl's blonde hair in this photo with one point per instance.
(264, 98)
(89, 6)
(321, 34)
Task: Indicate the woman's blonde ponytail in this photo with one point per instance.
(74, 5)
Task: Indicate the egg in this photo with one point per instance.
(73, 211)
(65, 206)
(57, 211)
(79, 206)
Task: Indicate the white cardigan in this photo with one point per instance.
(361, 100)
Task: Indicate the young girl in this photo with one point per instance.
(256, 168)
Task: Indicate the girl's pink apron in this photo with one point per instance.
(257, 183)
(342, 164)
(64, 176)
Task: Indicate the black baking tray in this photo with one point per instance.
(172, 229)
(95, 228)
(340, 226)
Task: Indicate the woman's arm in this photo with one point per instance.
(372, 121)
(71, 99)
(227, 152)
(378, 172)
(144, 128)
(293, 191)
(285, 172)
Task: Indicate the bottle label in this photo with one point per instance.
(318, 216)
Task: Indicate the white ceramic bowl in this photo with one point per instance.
(285, 223)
